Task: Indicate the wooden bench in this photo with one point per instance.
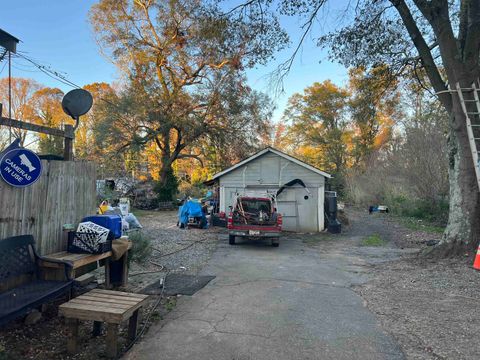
(78, 261)
(111, 307)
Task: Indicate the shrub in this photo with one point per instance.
(167, 190)
(3, 353)
(141, 247)
(436, 212)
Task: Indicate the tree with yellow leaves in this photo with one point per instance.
(47, 111)
(318, 125)
(22, 106)
(175, 55)
(374, 106)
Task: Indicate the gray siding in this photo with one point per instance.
(267, 173)
(266, 170)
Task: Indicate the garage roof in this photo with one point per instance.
(275, 151)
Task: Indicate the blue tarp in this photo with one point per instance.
(191, 208)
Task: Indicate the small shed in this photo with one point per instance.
(268, 171)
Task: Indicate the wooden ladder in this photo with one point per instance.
(471, 109)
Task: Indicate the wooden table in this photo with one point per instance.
(111, 307)
(80, 260)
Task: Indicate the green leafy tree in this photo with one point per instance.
(318, 122)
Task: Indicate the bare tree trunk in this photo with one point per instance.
(462, 232)
(165, 168)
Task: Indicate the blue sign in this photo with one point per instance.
(20, 167)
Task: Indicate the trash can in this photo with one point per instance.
(333, 225)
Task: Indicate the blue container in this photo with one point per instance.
(111, 222)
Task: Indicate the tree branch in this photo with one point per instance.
(158, 142)
(471, 48)
(424, 51)
(186, 156)
(284, 68)
(436, 13)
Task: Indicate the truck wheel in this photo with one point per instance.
(231, 239)
(275, 242)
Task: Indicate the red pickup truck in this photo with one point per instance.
(254, 217)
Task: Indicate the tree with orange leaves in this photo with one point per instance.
(374, 106)
(176, 56)
(47, 111)
(338, 128)
(22, 107)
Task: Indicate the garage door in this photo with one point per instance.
(288, 209)
(287, 206)
(299, 209)
(307, 210)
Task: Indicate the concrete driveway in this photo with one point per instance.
(291, 302)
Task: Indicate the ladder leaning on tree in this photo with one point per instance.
(471, 109)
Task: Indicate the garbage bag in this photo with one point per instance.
(125, 224)
(132, 221)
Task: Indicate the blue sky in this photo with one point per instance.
(57, 33)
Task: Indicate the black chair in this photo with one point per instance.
(21, 286)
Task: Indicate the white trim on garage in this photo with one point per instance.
(222, 199)
(321, 200)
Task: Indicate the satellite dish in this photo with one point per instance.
(77, 102)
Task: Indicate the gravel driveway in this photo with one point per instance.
(173, 249)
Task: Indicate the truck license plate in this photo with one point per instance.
(253, 232)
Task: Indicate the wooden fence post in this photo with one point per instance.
(68, 149)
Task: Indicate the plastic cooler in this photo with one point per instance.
(111, 222)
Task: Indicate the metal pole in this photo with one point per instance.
(10, 93)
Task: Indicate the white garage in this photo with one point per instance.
(268, 171)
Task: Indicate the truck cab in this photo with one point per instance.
(256, 218)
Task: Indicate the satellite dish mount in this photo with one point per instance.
(75, 103)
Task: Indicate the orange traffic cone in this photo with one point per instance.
(476, 263)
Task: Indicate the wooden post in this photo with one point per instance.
(107, 273)
(97, 328)
(72, 340)
(132, 326)
(9, 93)
(112, 340)
(125, 269)
(68, 149)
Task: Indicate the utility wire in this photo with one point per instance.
(47, 70)
(56, 75)
(3, 68)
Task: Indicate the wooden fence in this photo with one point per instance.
(64, 194)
